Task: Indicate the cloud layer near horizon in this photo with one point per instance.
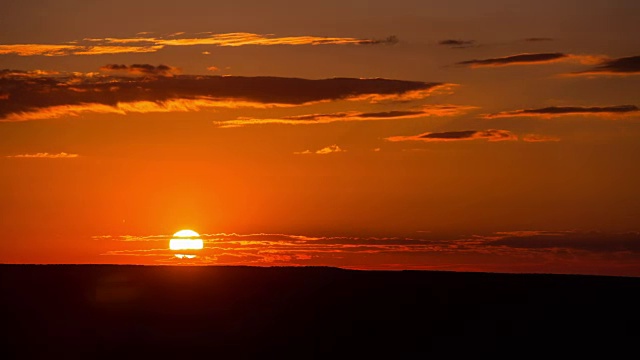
(47, 96)
(565, 248)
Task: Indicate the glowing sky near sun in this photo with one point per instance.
(459, 135)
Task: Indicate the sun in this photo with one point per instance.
(186, 241)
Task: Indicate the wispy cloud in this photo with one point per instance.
(133, 107)
(530, 59)
(38, 49)
(457, 44)
(66, 50)
(244, 39)
(307, 119)
(44, 155)
(412, 95)
(146, 44)
(536, 138)
(555, 111)
(490, 135)
(102, 50)
(331, 149)
(43, 97)
(26, 73)
(626, 66)
(538, 39)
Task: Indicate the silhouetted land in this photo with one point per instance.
(86, 311)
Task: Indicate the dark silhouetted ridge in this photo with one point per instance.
(86, 311)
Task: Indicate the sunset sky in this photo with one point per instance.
(457, 135)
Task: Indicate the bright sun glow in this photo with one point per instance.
(186, 240)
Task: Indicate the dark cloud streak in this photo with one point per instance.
(568, 110)
(457, 44)
(490, 135)
(450, 135)
(142, 69)
(538, 39)
(587, 241)
(622, 66)
(520, 59)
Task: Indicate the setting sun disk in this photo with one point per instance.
(186, 240)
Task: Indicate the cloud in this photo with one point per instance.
(44, 155)
(457, 44)
(267, 247)
(146, 44)
(66, 50)
(38, 49)
(389, 40)
(23, 73)
(213, 68)
(555, 111)
(142, 69)
(626, 66)
(534, 239)
(132, 107)
(307, 119)
(101, 50)
(534, 138)
(530, 59)
(331, 149)
(43, 97)
(490, 135)
(244, 39)
(538, 39)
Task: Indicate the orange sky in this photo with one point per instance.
(461, 135)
